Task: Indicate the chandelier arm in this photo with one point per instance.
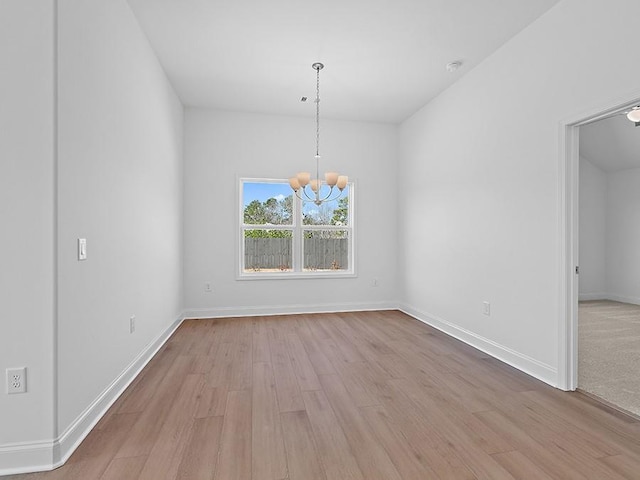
(306, 194)
(297, 194)
(327, 199)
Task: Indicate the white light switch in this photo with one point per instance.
(82, 249)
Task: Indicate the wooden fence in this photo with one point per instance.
(275, 253)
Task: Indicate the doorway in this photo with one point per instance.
(594, 309)
(609, 259)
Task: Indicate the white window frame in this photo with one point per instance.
(297, 241)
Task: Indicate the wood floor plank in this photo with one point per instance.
(370, 455)
(319, 325)
(520, 466)
(359, 321)
(201, 451)
(359, 390)
(269, 460)
(623, 465)
(234, 458)
(622, 430)
(302, 454)
(547, 460)
(287, 388)
(140, 394)
(124, 468)
(260, 339)
(369, 345)
(467, 447)
(343, 347)
(166, 455)
(333, 449)
(406, 418)
(393, 364)
(144, 432)
(302, 367)
(212, 402)
(396, 445)
(242, 358)
(558, 436)
(94, 455)
(221, 371)
(320, 362)
(563, 431)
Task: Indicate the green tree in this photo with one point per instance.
(272, 211)
(341, 214)
(254, 213)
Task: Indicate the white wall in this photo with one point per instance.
(223, 146)
(593, 231)
(26, 220)
(120, 187)
(609, 234)
(480, 167)
(623, 235)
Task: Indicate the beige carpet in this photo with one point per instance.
(609, 352)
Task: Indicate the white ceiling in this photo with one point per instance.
(612, 143)
(384, 59)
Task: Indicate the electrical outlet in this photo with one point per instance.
(486, 308)
(207, 287)
(16, 380)
(132, 324)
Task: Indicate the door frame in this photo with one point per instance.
(569, 183)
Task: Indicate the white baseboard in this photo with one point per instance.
(609, 296)
(592, 296)
(623, 299)
(25, 457)
(223, 312)
(531, 366)
(46, 455)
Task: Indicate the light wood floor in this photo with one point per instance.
(373, 395)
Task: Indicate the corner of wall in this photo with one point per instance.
(531, 366)
(29, 457)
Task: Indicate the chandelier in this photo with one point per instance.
(310, 189)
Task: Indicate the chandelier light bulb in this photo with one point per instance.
(331, 178)
(294, 184)
(303, 178)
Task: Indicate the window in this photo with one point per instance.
(283, 237)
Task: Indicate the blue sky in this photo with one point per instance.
(265, 191)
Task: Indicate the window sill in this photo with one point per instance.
(294, 275)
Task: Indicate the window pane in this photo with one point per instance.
(335, 212)
(326, 250)
(268, 250)
(267, 203)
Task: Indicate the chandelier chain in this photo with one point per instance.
(317, 111)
